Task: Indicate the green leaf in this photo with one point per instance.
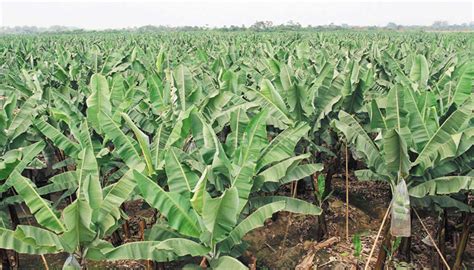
(184, 83)
(277, 171)
(255, 138)
(157, 151)
(300, 172)
(143, 141)
(396, 114)
(285, 77)
(443, 185)
(326, 96)
(58, 138)
(226, 262)
(451, 126)
(396, 154)
(38, 237)
(243, 182)
(143, 250)
(376, 118)
(38, 206)
(197, 201)
(291, 204)
(221, 213)
(98, 101)
(59, 182)
(109, 212)
(181, 179)
(363, 146)
(419, 125)
(283, 145)
(238, 122)
(9, 162)
(268, 97)
(419, 72)
(9, 240)
(175, 207)
(78, 220)
(253, 221)
(24, 118)
(89, 186)
(124, 145)
(464, 84)
(369, 175)
(182, 247)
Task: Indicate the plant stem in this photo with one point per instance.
(15, 258)
(463, 242)
(379, 265)
(5, 262)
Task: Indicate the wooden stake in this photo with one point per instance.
(377, 237)
(432, 240)
(45, 263)
(347, 195)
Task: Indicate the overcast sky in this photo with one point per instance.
(108, 14)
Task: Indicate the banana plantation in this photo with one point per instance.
(244, 150)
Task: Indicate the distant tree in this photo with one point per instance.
(391, 25)
(262, 25)
(440, 24)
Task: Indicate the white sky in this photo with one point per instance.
(113, 14)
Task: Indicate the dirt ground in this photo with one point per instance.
(289, 242)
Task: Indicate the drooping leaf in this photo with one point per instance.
(42, 211)
(364, 147)
(9, 240)
(277, 171)
(227, 262)
(283, 145)
(291, 204)
(143, 250)
(253, 221)
(442, 186)
(58, 138)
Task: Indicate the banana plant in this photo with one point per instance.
(201, 225)
(83, 224)
(201, 173)
(436, 164)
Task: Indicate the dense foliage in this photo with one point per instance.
(206, 127)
